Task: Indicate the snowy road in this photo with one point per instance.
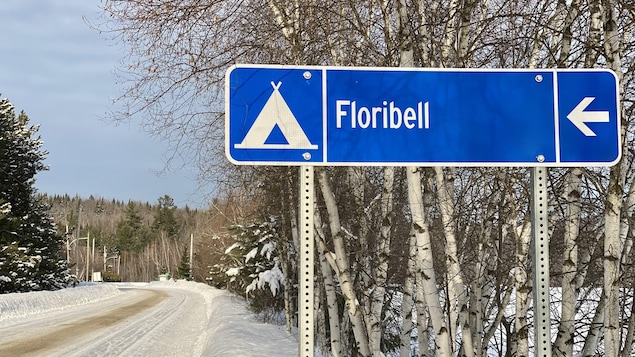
(177, 319)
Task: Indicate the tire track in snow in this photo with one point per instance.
(64, 334)
(174, 329)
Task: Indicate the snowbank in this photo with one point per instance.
(232, 329)
(24, 304)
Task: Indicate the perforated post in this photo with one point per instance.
(540, 231)
(306, 297)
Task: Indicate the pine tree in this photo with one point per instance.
(183, 270)
(131, 234)
(29, 243)
(252, 265)
(164, 219)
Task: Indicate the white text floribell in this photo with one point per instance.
(387, 116)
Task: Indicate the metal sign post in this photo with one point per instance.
(305, 328)
(540, 262)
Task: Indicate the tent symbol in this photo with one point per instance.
(275, 112)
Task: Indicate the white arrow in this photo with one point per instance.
(579, 117)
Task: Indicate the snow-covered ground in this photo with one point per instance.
(156, 319)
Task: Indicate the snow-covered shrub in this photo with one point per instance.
(252, 266)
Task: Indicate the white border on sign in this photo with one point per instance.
(325, 69)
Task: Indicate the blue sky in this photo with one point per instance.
(61, 73)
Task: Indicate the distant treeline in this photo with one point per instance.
(133, 241)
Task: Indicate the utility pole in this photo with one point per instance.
(79, 220)
(88, 257)
(92, 259)
(191, 255)
(68, 247)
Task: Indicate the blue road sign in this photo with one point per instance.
(306, 115)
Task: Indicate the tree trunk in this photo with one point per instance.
(343, 268)
(408, 301)
(563, 346)
(615, 192)
(326, 268)
(522, 285)
(380, 269)
(592, 339)
(612, 256)
(457, 295)
(427, 273)
(331, 304)
(363, 257)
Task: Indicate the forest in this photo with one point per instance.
(134, 241)
(426, 261)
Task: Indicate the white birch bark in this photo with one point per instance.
(457, 293)
(612, 257)
(612, 243)
(592, 339)
(331, 306)
(567, 35)
(356, 183)
(381, 270)
(465, 35)
(406, 55)
(522, 285)
(289, 23)
(484, 287)
(386, 9)
(556, 23)
(425, 54)
(523, 290)
(595, 34)
(327, 268)
(424, 325)
(563, 345)
(450, 35)
(428, 276)
(408, 300)
(343, 268)
(630, 332)
(406, 59)
(427, 299)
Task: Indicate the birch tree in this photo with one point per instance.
(474, 219)
(563, 346)
(342, 267)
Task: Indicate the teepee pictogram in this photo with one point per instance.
(275, 112)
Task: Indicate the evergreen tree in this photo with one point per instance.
(131, 234)
(164, 219)
(183, 270)
(252, 265)
(29, 244)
